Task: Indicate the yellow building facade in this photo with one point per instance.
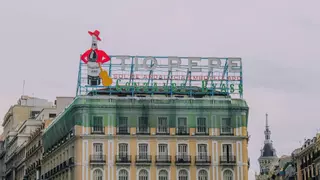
(132, 138)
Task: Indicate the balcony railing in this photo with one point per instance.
(163, 159)
(123, 130)
(97, 158)
(226, 131)
(123, 159)
(143, 130)
(163, 130)
(203, 159)
(97, 130)
(227, 159)
(143, 159)
(202, 131)
(182, 130)
(183, 159)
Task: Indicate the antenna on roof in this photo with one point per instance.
(23, 87)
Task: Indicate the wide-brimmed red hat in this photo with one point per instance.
(95, 33)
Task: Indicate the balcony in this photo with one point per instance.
(143, 159)
(183, 160)
(202, 131)
(97, 130)
(228, 160)
(182, 130)
(163, 160)
(71, 161)
(123, 130)
(226, 131)
(203, 160)
(143, 130)
(123, 159)
(97, 158)
(163, 130)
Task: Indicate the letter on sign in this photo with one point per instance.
(233, 65)
(192, 63)
(123, 61)
(153, 64)
(172, 64)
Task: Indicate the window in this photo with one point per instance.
(163, 152)
(52, 115)
(143, 175)
(163, 175)
(123, 127)
(97, 126)
(182, 149)
(97, 174)
(226, 126)
(227, 153)
(182, 126)
(227, 175)
(143, 125)
(97, 151)
(123, 175)
(202, 152)
(123, 150)
(203, 175)
(183, 175)
(143, 151)
(162, 125)
(201, 125)
(34, 114)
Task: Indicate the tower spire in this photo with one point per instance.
(267, 132)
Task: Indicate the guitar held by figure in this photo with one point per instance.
(106, 80)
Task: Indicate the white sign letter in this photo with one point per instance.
(153, 64)
(171, 64)
(123, 61)
(234, 65)
(192, 63)
(214, 63)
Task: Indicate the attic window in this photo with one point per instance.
(34, 114)
(52, 115)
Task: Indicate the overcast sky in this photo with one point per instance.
(279, 41)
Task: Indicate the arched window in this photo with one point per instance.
(97, 174)
(143, 175)
(183, 175)
(203, 175)
(163, 175)
(123, 175)
(227, 175)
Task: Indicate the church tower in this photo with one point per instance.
(268, 157)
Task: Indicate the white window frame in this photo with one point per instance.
(147, 169)
(138, 123)
(92, 128)
(207, 170)
(103, 173)
(221, 128)
(166, 169)
(128, 126)
(188, 172)
(222, 173)
(127, 169)
(177, 123)
(206, 125)
(168, 128)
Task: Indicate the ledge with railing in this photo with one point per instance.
(203, 160)
(183, 159)
(226, 131)
(97, 130)
(163, 130)
(202, 130)
(123, 159)
(143, 130)
(123, 130)
(143, 159)
(97, 158)
(182, 130)
(163, 159)
(228, 159)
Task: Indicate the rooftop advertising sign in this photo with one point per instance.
(158, 74)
